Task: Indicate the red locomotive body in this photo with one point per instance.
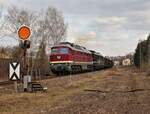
(68, 57)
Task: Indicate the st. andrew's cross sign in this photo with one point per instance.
(14, 71)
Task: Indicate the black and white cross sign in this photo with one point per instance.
(14, 71)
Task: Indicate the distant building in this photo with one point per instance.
(116, 63)
(126, 62)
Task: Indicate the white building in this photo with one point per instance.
(126, 62)
(116, 63)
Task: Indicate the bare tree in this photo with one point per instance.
(2, 53)
(17, 17)
(2, 22)
(48, 27)
(52, 27)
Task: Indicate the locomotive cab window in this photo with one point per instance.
(60, 51)
(54, 51)
(64, 50)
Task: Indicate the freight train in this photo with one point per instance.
(68, 57)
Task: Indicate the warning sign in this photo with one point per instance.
(14, 71)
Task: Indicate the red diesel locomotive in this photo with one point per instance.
(68, 57)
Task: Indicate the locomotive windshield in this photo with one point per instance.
(59, 51)
(63, 50)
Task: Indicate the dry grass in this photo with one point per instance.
(61, 90)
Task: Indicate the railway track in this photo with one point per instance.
(5, 83)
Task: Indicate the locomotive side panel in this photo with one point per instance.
(82, 59)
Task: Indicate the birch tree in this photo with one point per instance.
(16, 17)
(52, 27)
(52, 30)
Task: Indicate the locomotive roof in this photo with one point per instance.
(73, 46)
(96, 53)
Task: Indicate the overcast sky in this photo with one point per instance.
(112, 27)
